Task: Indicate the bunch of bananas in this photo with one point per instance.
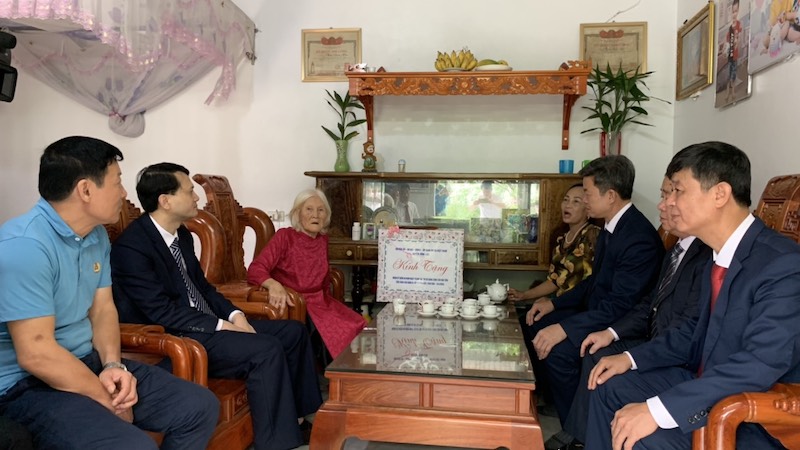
(464, 60)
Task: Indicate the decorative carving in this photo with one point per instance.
(569, 81)
(222, 204)
(779, 205)
(127, 214)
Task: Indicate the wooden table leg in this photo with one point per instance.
(328, 430)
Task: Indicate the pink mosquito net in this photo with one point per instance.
(122, 57)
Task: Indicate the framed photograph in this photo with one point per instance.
(615, 43)
(733, 52)
(774, 32)
(695, 47)
(326, 51)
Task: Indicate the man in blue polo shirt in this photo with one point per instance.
(61, 374)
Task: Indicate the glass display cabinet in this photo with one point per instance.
(510, 220)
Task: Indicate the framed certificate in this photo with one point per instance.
(327, 51)
(615, 44)
(418, 265)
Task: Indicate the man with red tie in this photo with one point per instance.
(745, 337)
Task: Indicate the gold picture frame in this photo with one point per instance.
(695, 47)
(327, 50)
(615, 44)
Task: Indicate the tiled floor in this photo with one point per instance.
(550, 426)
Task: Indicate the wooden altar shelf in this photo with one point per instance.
(569, 81)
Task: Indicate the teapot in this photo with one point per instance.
(497, 291)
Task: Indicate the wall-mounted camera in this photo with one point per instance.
(8, 74)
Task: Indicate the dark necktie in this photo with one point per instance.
(717, 275)
(407, 213)
(196, 299)
(661, 293)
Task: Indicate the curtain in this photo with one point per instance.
(122, 57)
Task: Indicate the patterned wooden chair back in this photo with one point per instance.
(777, 410)
(128, 214)
(234, 219)
(779, 205)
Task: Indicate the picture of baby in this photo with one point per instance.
(775, 32)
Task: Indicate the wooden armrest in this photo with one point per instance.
(337, 283)
(138, 328)
(777, 410)
(199, 361)
(296, 312)
(152, 340)
(260, 310)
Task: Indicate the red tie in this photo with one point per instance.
(717, 275)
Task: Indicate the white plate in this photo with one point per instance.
(493, 316)
(463, 316)
(386, 215)
(493, 67)
(455, 69)
(448, 316)
(426, 314)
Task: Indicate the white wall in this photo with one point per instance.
(269, 132)
(765, 126)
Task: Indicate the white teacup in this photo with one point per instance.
(469, 301)
(399, 308)
(469, 310)
(450, 300)
(484, 299)
(490, 310)
(447, 308)
(469, 325)
(399, 301)
(428, 306)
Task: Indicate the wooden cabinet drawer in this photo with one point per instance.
(369, 252)
(352, 252)
(342, 251)
(528, 257)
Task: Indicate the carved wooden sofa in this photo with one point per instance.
(150, 343)
(777, 410)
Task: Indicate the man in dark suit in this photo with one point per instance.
(625, 269)
(670, 303)
(157, 279)
(745, 337)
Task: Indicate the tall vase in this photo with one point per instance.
(610, 143)
(341, 164)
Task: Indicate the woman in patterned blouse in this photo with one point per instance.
(573, 254)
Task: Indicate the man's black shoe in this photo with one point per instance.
(305, 430)
(559, 441)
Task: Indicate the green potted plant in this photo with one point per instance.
(618, 98)
(347, 119)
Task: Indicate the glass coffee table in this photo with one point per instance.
(427, 379)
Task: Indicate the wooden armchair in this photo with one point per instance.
(777, 410)
(149, 343)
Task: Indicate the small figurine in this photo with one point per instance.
(369, 157)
